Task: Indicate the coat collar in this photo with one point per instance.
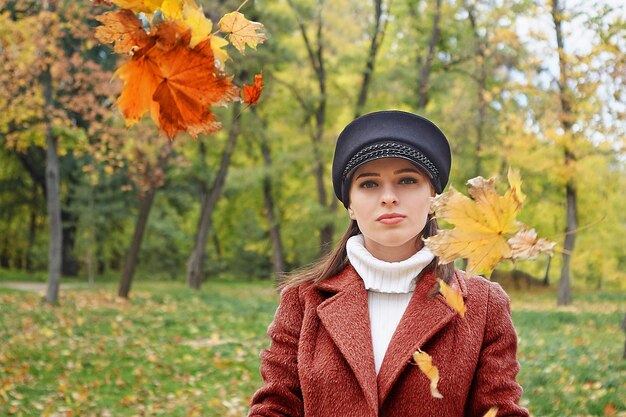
(345, 316)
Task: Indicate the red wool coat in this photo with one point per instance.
(320, 362)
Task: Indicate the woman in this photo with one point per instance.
(345, 331)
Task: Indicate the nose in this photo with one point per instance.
(389, 196)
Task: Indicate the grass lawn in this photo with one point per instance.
(172, 351)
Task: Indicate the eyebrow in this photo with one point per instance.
(400, 171)
(403, 170)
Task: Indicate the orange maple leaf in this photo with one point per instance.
(252, 93)
(190, 86)
(141, 77)
(123, 29)
(177, 84)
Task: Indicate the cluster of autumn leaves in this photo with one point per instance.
(176, 72)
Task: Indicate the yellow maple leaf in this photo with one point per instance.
(241, 31)
(196, 20)
(172, 9)
(453, 297)
(425, 363)
(492, 412)
(481, 224)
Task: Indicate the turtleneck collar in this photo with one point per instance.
(382, 276)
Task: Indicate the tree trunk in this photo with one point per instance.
(274, 224)
(376, 39)
(425, 65)
(69, 263)
(32, 231)
(195, 264)
(53, 198)
(316, 59)
(481, 80)
(145, 205)
(564, 294)
(565, 290)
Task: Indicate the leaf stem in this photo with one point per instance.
(241, 5)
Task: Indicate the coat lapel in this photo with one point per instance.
(423, 318)
(345, 316)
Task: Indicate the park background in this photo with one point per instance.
(170, 250)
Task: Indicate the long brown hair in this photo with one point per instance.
(337, 259)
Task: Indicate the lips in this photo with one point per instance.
(391, 218)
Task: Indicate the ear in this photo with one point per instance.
(351, 213)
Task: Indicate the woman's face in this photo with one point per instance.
(390, 201)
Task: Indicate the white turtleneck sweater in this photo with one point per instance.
(389, 287)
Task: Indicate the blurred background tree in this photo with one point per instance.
(494, 76)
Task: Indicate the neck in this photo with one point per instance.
(393, 253)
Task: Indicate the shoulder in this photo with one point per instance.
(480, 289)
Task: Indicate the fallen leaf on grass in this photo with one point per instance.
(425, 363)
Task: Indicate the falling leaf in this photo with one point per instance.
(198, 23)
(141, 77)
(178, 85)
(252, 93)
(241, 31)
(189, 87)
(172, 9)
(123, 29)
(526, 245)
(481, 225)
(424, 361)
(492, 412)
(453, 297)
(217, 45)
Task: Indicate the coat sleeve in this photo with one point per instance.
(280, 395)
(494, 383)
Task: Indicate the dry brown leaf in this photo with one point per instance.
(526, 245)
(241, 31)
(123, 29)
(425, 363)
(453, 297)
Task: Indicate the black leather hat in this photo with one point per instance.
(390, 134)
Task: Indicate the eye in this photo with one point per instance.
(368, 184)
(408, 180)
